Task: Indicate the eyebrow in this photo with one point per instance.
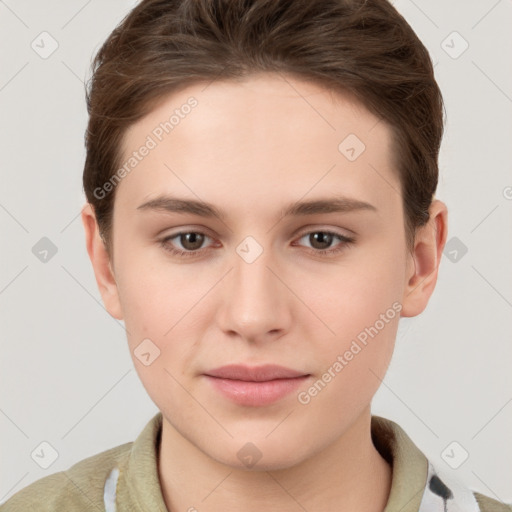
(300, 208)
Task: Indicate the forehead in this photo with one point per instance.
(269, 136)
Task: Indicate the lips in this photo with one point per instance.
(255, 386)
(254, 374)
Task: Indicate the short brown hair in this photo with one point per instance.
(364, 48)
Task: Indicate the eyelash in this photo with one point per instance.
(346, 242)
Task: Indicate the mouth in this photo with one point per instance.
(255, 386)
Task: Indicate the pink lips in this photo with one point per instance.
(255, 386)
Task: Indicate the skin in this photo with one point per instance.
(251, 148)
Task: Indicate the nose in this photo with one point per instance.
(255, 304)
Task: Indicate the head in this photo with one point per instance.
(251, 110)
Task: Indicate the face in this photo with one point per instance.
(253, 276)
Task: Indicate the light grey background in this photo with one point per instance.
(66, 374)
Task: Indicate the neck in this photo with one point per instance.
(348, 474)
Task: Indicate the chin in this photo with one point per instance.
(259, 455)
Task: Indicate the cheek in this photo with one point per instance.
(351, 368)
(164, 304)
(360, 303)
(353, 296)
(156, 305)
(155, 298)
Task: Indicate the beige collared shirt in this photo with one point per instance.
(125, 479)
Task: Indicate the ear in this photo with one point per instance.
(101, 264)
(423, 263)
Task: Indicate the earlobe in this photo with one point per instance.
(423, 267)
(101, 263)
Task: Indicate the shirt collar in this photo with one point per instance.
(409, 465)
(139, 484)
(136, 481)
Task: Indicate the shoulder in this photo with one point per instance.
(487, 504)
(78, 488)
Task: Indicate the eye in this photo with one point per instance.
(322, 240)
(191, 241)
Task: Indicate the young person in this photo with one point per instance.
(260, 180)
